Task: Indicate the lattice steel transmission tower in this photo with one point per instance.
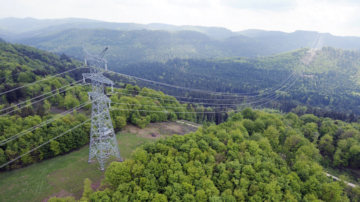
(102, 136)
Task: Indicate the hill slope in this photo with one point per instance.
(32, 99)
(329, 81)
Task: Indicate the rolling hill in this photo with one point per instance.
(180, 41)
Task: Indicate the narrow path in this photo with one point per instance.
(183, 122)
(327, 174)
(336, 178)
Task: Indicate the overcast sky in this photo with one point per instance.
(333, 16)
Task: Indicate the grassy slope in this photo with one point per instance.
(65, 175)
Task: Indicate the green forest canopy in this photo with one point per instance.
(254, 156)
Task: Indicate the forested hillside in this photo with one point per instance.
(254, 156)
(144, 45)
(132, 46)
(32, 119)
(329, 81)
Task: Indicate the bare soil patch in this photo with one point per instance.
(159, 130)
(174, 128)
(95, 186)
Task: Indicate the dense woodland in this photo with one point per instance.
(254, 156)
(194, 60)
(20, 65)
(329, 82)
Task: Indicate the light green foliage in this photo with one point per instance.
(247, 113)
(55, 147)
(220, 163)
(273, 135)
(310, 130)
(120, 121)
(249, 125)
(309, 118)
(87, 190)
(293, 118)
(47, 106)
(66, 199)
(326, 145)
(237, 117)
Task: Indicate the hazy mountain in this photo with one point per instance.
(158, 45)
(215, 32)
(260, 33)
(151, 45)
(19, 25)
(131, 42)
(17, 28)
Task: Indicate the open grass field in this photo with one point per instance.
(64, 175)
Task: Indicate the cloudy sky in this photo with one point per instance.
(338, 17)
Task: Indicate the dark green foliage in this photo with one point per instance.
(329, 86)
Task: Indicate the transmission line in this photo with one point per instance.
(85, 77)
(36, 101)
(262, 99)
(40, 80)
(44, 143)
(284, 82)
(41, 95)
(215, 93)
(201, 103)
(234, 99)
(58, 116)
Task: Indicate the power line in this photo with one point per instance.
(44, 143)
(198, 102)
(31, 67)
(205, 91)
(179, 87)
(36, 101)
(234, 99)
(58, 116)
(89, 120)
(183, 107)
(40, 80)
(40, 95)
(47, 96)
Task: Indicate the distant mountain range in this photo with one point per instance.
(13, 29)
(131, 42)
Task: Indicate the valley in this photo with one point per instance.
(196, 113)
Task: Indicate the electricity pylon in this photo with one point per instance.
(102, 136)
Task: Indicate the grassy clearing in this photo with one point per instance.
(64, 175)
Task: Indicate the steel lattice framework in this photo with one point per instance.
(102, 136)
